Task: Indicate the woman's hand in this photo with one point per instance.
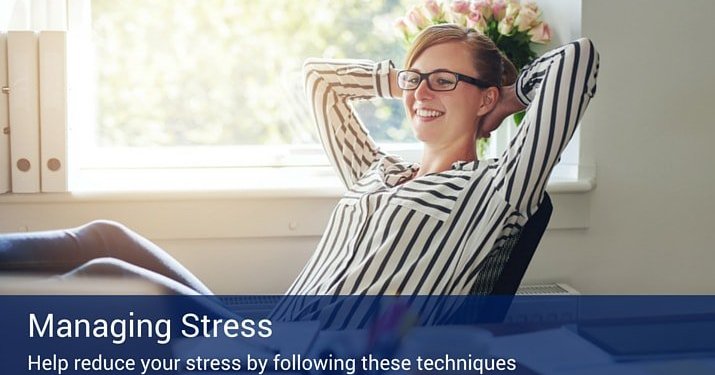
(507, 105)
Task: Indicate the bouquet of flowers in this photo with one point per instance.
(511, 25)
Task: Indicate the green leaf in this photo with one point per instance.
(482, 146)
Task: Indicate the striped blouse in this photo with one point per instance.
(391, 234)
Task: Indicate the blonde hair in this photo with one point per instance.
(491, 65)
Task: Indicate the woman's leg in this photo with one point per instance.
(62, 251)
(120, 269)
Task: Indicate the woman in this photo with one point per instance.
(427, 228)
(401, 228)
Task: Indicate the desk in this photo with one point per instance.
(560, 350)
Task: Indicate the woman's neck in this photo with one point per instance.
(440, 159)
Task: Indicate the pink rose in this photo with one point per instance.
(460, 6)
(476, 21)
(541, 33)
(506, 25)
(525, 19)
(402, 27)
(417, 18)
(498, 9)
(434, 9)
(483, 7)
(512, 9)
(532, 5)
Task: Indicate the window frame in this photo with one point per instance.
(87, 164)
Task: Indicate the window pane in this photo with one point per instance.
(221, 72)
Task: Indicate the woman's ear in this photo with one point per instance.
(490, 98)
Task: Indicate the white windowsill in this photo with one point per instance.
(223, 183)
(179, 208)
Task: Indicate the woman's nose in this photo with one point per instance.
(423, 91)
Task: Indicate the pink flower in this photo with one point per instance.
(402, 27)
(512, 9)
(460, 7)
(417, 18)
(476, 21)
(434, 9)
(498, 9)
(506, 25)
(526, 19)
(483, 7)
(532, 6)
(541, 33)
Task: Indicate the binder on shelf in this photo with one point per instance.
(53, 110)
(4, 121)
(24, 111)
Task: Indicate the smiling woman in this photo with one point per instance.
(430, 228)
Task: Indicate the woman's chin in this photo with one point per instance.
(427, 137)
(426, 131)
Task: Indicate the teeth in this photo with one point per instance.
(427, 113)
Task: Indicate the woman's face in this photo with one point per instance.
(441, 118)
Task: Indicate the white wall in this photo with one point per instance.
(651, 126)
(647, 131)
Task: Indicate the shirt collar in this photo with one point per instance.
(463, 165)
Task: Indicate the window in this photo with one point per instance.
(206, 83)
(217, 84)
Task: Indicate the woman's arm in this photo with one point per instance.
(556, 88)
(331, 87)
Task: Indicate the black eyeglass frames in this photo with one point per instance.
(438, 80)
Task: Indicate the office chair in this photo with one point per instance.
(504, 269)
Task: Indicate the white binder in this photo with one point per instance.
(24, 110)
(4, 121)
(53, 110)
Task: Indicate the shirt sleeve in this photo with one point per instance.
(556, 88)
(332, 86)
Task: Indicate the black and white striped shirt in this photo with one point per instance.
(432, 234)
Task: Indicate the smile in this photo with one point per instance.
(428, 113)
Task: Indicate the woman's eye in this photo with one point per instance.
(444, 82)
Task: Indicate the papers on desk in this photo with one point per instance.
(563, 351)
(549, 351)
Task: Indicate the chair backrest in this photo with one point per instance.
(505, 267)
(520, 256)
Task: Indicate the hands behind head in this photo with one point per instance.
(507, 104)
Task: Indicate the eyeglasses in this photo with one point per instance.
(438, 80)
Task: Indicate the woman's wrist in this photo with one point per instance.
(395, 91)
(512, 104)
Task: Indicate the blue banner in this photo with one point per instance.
(357, 335)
